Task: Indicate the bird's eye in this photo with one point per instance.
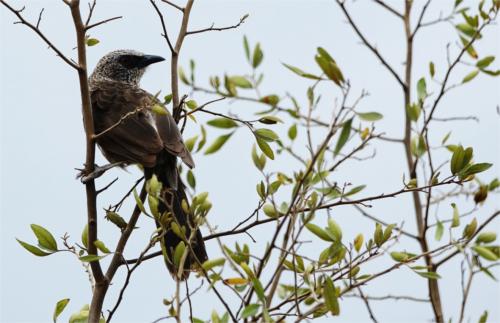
(129, 61)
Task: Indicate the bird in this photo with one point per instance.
(133, 133)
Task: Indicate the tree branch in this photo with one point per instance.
(39, 33)
(367, 44)
(212, 28)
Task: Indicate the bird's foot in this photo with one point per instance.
(85, 176)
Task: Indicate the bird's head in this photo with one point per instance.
(124, 65)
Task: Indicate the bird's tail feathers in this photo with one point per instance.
(180, 238)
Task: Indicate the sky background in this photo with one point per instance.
(42, 142)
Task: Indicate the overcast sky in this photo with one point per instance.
(42, 142)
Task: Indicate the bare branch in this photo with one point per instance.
(212, 28)
(170, 3)
(165, 33)
(479, 229)
(370, 46)
(88, 27)
(39, 18)
(422, 14)
(389, 8)
(39, 33)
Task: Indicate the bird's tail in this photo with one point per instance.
(179, 232)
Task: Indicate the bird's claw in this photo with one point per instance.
(85, 176)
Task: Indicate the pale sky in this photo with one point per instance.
(42, 142)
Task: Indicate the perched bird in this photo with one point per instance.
(144, 137)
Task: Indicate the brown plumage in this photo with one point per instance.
(143, 137)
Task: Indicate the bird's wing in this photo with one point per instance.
(172, 138)
(135, 138)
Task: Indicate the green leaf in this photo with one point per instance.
(329, 66)
(258, 56)
(413, 111)
(300, 72)
(432, 69)
(259, 289)
(470, 229)
(211, 263)
(101, 246)
(190, 143)
(355, 190)
(457, 160)
(191, 179)
(266, 134)
(92, 41)
(418, 146)
(250, 310)
(241, 81)
(474, 169)
(469, 48)
(271, 99)
(270, 120)
(334, 229)
(34, 250)
(330, 69)
(218, 143)
(116, 219)
(344, 136)
(429, 274)
(223, 123)
(270, 211)
(179, 252)
(455, 222)
(85, 236)
(60, 306)
(469, 77)
(494, 184)
(485, 253)
(484, 317)
(168, 98)
(445, 138)
(322, 234)
(400, 256)
(330, 296)
(45, 238)
(292, 132)
(378, 235)
(246, 47)
(485, 62)
(265, 148)
(191, 104)
(358, 242)
(138, 201)
(259, 161)
(421, 89)
(182, 76)
(486, 237)
(466, 29)
(203, 140)
(159, 110)
(370, 116)
(90, 258)
(439, 231)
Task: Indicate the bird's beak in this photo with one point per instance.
(150, 59)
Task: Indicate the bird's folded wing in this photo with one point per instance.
(133, 138)
(141, 134)
(172, 138)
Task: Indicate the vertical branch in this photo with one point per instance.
(174, 66)
(433, 286)
(101, 281)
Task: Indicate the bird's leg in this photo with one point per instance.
(98, 171)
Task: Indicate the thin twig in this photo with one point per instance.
(212, 28)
